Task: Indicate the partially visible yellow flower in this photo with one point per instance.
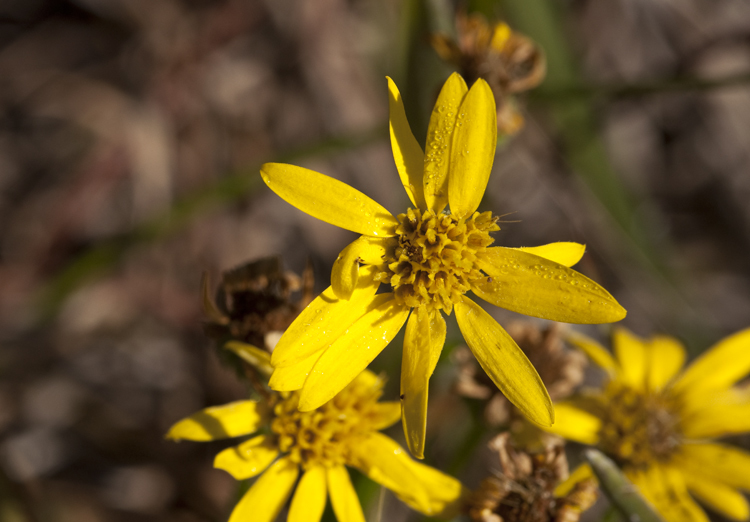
(431, 258)
(318, 444)
(656, 422)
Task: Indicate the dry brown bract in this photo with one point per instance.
(523, 491)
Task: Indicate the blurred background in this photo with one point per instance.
(131, 133)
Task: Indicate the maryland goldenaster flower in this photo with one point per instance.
(430, 257)
(655, 422)
(319, 443)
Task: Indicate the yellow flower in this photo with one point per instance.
(318, 443)
(430, 258)
(656, 422)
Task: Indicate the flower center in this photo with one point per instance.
(434, 263)
(638, 428)
(324, 436)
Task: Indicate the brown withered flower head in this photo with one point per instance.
(523, 489)
(253, 302)
(510, 62)
(561, 371)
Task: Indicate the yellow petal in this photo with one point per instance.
(581, 473)
(437, 159)
(346, 505)
(290, 378)
(249, 458)
(309, 500)
(535, 286)
(717, 461)
(407, 153)
(424, 340)
(322, 322)
(353, 351)
(595, 351)
(264, 500)
(564, 253)
(423, 488)
(259, 359)
(631, 353)
(665, 357)
(328, 199)
(575, 424)
(221, 422)
(719, 367)
(727, 501)
(346, 269)
(717, 414)
(473, 149)
(505, 363)
(386, 414)
(664, 487)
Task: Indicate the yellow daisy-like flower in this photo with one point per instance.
(318, 443)
(430, 257)
(656, 422)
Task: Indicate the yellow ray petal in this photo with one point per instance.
(664, 487)
(473, 149)
(353, 351)
(719, 367)
(407, 153)
(290, 378)
(581, 473)
(423, 488)
(249, 458)
(535, 286)
(343, 497)
(717, 414)
(346, 269)
(505, 363)
(424, 340)
(631, 353)
(595, 351)
(437, 159)
(564, 253)
(322, 322)
(665, 357)
(717, 461)
(386, 414)
(221, 422)
(573, 423)
(328, 199)
(309, 500)
(264, 500)
(259, 359)
(727, 501)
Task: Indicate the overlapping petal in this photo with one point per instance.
(264, 500)
(564, 253)
(717, 414)
(505, 363)
(664, 487)
(249, 458)
(717, 461)
(576, 424)
(727, 501)
(346, 269)
(221, 422)
(259, 359)
(424, 340)
(407, 153)
(309, 499)
(290, 378)
(437, 158)
(328, 199)
(531, 285)
(472, 150)
(353, 351)
(343, 497)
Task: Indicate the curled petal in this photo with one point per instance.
(407, 153)
(505, 363)
(531, 285)
(328, 199)
(365, 250)
(473, 149)
(221, 422)
(248, 459)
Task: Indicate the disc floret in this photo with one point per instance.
(434, 263)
